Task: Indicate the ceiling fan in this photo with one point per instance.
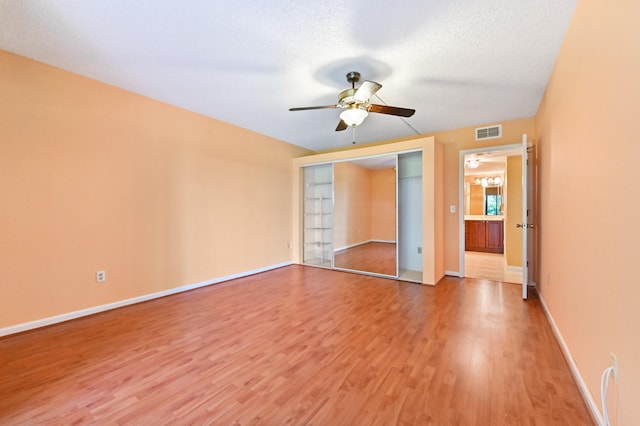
(355, 103)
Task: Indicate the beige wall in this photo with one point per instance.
(513, 216)
(589, 268)
(383, 204)
(97, 178)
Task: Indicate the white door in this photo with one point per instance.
(528, 239)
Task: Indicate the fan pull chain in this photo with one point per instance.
(354, 135)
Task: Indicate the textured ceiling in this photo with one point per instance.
(457, 62)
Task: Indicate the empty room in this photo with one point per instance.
(319, 213)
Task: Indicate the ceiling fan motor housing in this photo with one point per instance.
(353, 77)
(346, 97)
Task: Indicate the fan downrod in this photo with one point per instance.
(353, 77)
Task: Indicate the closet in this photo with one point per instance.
(363, 211)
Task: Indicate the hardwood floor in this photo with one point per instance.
(298, 345)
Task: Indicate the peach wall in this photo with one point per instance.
(588, 232)
(383, 204)
(352, 205)
(97, 178)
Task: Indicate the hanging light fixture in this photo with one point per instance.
(353, 116)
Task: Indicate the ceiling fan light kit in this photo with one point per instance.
(355, 103)
(353, 116)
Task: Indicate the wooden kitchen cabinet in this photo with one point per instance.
(484, 235)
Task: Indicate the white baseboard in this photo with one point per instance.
(452, 274)
(584, 390)
(94, 310)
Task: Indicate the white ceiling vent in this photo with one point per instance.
(491, 132)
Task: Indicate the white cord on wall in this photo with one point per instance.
(604, 387)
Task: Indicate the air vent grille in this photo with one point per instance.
(491, 132)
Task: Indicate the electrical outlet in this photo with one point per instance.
(101, 276)
(614, 364)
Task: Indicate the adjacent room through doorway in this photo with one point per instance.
(491, 249)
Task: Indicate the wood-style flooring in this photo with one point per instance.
(298, 345)
(490, 266)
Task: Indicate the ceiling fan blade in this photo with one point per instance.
(341, 126)
(366, 90)
(391, 110)
(314, 107)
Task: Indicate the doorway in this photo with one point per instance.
(490, 195)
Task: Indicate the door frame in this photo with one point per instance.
(461, 206)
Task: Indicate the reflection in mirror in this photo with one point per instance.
(493, 201)
(483, 199)
(365, 215)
